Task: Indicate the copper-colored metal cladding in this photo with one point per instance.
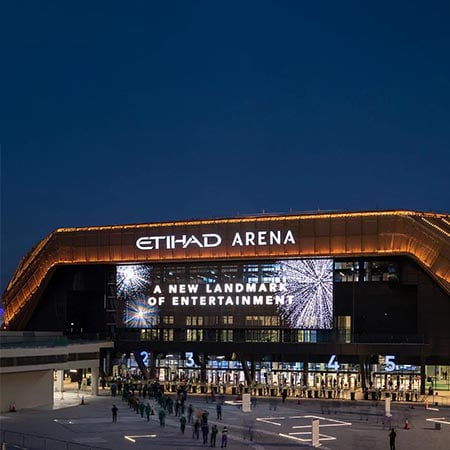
(422, 236)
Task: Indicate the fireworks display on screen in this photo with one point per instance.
(304, 288)
(310, 282)
(139, 314)
(132, 280)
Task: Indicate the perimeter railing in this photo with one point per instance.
(15, 440)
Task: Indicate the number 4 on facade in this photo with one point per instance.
(333, 363)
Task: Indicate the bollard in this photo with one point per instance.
(406, 424)
(82, 399)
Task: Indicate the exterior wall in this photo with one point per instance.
(26, 389)
(422, 236)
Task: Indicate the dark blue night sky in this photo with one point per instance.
(124, 112)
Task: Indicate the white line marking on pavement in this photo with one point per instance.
(266, 420)
(322, 437)
(131, 438)
(439, 420)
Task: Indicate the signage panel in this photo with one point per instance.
(299, 291)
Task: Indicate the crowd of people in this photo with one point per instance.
(144, 398)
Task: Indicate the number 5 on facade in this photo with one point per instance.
(389, 363)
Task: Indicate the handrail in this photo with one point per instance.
(27, 441)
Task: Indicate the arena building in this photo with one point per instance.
(347, 300)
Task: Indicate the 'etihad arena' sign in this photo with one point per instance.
(246, 239)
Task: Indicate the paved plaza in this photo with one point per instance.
(343, 425)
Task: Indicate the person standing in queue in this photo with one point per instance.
(114, 413)
(162, 417)
(190, 412)
(219, 411)
(224, 437)
(214, 432)
(196, 430)
(183, 423)
(205, 432)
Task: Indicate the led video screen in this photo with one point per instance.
(299, 291)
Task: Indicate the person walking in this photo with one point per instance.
(114, 413)
(392, 436)
(224, 437)
(214, 432)
(183, 423)
(219, 411)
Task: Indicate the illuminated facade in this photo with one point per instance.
(294, 294)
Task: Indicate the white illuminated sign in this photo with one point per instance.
(144, 355)
(190, 359)
(333, 363)
(389, 363)
(220, 294)
(246, 239)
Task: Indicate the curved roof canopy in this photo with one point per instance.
(423, 236)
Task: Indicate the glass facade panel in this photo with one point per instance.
(262, 336)
(346, 271)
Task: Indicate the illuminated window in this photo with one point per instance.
(262, 321)
(169, 320)
(194, 321)
(344, 327)
(167, 335)
(226, 335)
(306, 336)
(149, 335)
(228, 320)
(194, 335)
